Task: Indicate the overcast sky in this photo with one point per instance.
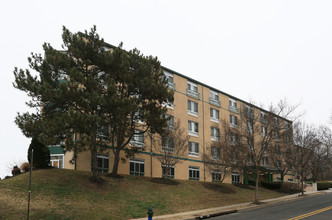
(255, 50)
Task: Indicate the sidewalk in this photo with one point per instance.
(233, 208)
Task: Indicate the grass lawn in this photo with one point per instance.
(68, 194)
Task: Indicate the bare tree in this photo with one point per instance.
(171, 146)
(305, 142)
(223, 155)
(321, 158)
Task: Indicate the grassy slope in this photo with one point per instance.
(67, 194)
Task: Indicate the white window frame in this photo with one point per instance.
(195, 174)
(171, 83)
(215, 134)
(216, 176)
(135, 140)
(214, 115)
(191, 108)
(250, 161)
(233, 105)
(214, 98)
(170, 122)
(192, 125)
(192, 89)
(171, 171)
(193, 149)
(263, 131)
(103, 169)
(215, 153)
(169, 105)
(233, 139)
(57, 160)
(137, 172)
(235, 178)
(233, 121)
(263, 117)
(167, 147)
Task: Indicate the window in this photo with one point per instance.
(56, 160)
(138, 139)
(278, 163)
(193, 149)
(216, 176)
(193, 128)
(233, 121)
(263, 131)
(276, 135)
(250, 111)
(250, 128)
(215, 153)
(287, 127)
(250, 161)
(277, 149)
(250, 144)
(265, 148)
(169, 105)
(214, 98)
(276, 121)
(193, 173)
(235, 178)
(233, 139)
(170, 78)
(102, 131)
(289, 165)
(136, 167)
(192, 90)
(265, 162)
(170, 171)
(232, 105)
(192, 108)
(214, 115)
(167, 144)
(215, 134)
(170, 122)
(235, 157)
(137, 118)
(263, 117)
(103, 163)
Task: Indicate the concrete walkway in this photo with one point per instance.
(234, 208)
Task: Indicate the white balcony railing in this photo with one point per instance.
(193, 93)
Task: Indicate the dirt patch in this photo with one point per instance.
(219, 188)
(165, 181)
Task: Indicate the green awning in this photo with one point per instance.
(55, 149)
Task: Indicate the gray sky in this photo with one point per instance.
(255, 50)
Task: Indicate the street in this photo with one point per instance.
(313, 207)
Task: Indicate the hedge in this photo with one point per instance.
(323, 185)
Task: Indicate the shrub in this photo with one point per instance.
(25, 167)
(271, 185)
(323, 185)
(16, 171)
(41, 154)
(252, 182)
(7, 177)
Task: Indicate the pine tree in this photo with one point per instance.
(86, 89)
(41, 154)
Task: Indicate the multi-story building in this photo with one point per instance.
(200, 109)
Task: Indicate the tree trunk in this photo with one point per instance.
(282, 176)
(94, 164)
(302, 187)
(256, 188)
(116, 162)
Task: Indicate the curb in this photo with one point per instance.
(213, 215)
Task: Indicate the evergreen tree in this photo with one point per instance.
(87, 90)
(41, 154)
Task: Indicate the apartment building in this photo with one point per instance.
(200, 109)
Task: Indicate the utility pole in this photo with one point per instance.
(30, 184)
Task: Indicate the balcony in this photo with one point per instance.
(137, 143)
(193, 93)
(171, 85)
(215, 102)
(233, 109)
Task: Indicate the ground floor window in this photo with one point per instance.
(216, 176)
(56, 160)
(170, 172)
(103, 163)
(235, 178)
(136, 167)
(193, 173)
